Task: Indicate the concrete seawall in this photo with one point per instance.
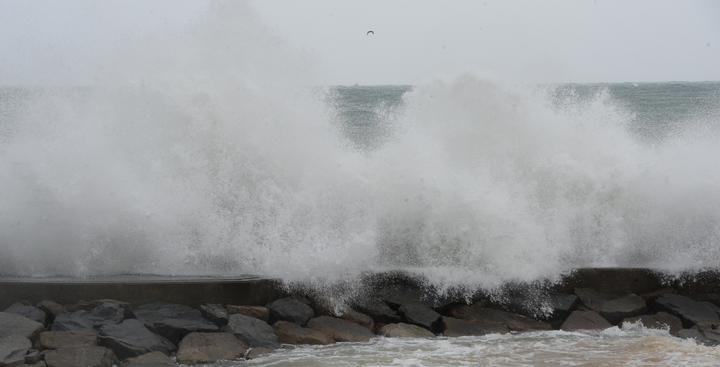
(194, 291)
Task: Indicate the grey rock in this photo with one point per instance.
(341, 330)
(377, 310)
(154, 359)
(290, 309)
(405, 331)
(80, 356)
(131, 339)
(13, 324)
(397, 295)
(449, 326)
(561, 305)
(52, 309)
(198, 348)
(688, 310)
(358, 318)
(420, 315)
(24, 308)
(252, 332)
(650, 297)
(105, 314)
(479, 314)
(13, 349)
(215, 313)
(292, 333)
(173, 321)
(33, 356)
(585, 320)
(612, 308)
(707, 333)
(65, 339)
(257, 312)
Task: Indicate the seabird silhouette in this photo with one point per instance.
(369, 32)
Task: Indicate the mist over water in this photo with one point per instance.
(213, 152)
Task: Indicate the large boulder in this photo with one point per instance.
(51, 309)
(125, 306)
(377, 310)
(707, 333)
(359, 318)
(198, 348)
(173, 321)
(450, 326)
(131, 339)
(292, 333)
(13, 324)
(105, 314)
(420, 315)
(24, 308)
(660, 320)
(66, 339)
(215, 313)
(561, 306)
(258, 352)
(290, 309)
(340, 330)
(154, 359)
(405, 331)
(514, 322)
(612, 308)
(688, 310)
(80, 357)
(13, 349)
(258, 312)
(252, 332)
(585, 320)
(396, 295)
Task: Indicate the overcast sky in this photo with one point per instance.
(532, 41)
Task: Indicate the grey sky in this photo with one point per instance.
(532, 41)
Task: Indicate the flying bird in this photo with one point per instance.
(369, 32)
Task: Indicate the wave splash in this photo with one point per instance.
(210, 153)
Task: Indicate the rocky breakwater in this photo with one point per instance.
(106, 332)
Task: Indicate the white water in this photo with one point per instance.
(209, 151)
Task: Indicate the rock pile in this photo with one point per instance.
(106, 332)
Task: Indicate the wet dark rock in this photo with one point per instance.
(150, 313)
(125, 306)
(215, 313)
(377, 310)
(92, 321)
(290, 309)
(397, 295)
(80, 356)
(173, 321)
(24, 308)
(13, 324)
(652, 296)
(479, 314)
(292, 333)
(65, 339)
(13, 349)
(451, 327)
(688, 310)
(33, 356)
(258, 352)
(660, 320)
(359, 318)
(706, 297)
(197, 348)
(252, 332)
(612, 308)
(705, 332)
(340, 330)
(420, 315)
(51, 309)
(561, 306)
(131, 339)
(258, 312)
(405, 331)
(585, 320)
(154, 359)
